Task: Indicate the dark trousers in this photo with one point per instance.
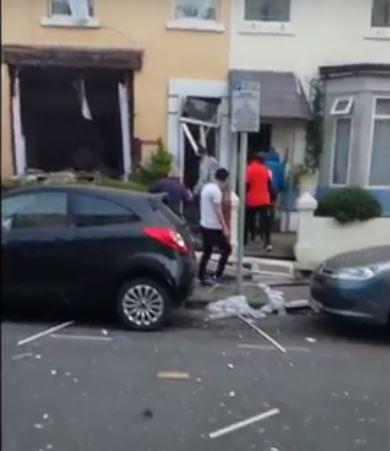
(263, 215)
(214, 239)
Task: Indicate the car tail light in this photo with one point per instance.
(168, 237)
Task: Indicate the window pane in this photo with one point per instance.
(60, 7)
(380, 13)
(35, 210)
(341, 151)
(92, 211)
(383, 107)
(380, 160)
(267, 10)
(197, 9)
(71, 7)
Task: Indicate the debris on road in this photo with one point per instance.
(231, 307)
(38, 426)
(148, 413)
(232, 394)
(263, 334)
(276, 302)
(81, 337)
(45, 416)
(241, 424)
(297, 304)
(38, 356)
(54, 372)
(44, 333)
(311, 340)
(174, 375)
(230, 366)
(21, 356)
(104, 332)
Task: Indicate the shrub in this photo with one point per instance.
(158, 166)
(349, 204)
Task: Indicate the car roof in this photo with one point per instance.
(120, 195)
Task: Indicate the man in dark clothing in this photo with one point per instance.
(176, 192)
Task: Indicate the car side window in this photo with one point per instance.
(44, 209)
(91, 211)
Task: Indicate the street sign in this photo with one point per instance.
(245, 104)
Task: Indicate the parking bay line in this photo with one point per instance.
(81, 337)
(44, 333)
(271, 348)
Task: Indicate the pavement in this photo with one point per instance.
(95, 386)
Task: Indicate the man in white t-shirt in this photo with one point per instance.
(214, 230)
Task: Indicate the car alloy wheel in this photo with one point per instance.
(143, 305)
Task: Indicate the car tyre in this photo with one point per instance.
(144, 305)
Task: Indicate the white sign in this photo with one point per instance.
(245, 106)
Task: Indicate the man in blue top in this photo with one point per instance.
(272, 161)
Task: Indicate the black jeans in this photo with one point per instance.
(214, 239)
(263, 214)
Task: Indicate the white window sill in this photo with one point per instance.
(195, 25)
(271, 28)
(64, 21)
(378, 34)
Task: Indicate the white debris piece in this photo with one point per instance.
(275, 302)
(311, 340)
(243, 423)
(297, 304)
(38, 426)
(232, 394)
(38, 356)
(104, 332)
(53, 372)
(232, 306)
(46, 416)
(230, 366)
(21, 356)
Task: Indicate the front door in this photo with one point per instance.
(36, 241)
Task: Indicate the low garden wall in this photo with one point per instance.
(319, 238)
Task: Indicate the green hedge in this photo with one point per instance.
(349, 204)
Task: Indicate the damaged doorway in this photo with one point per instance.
(73, 119)
(200, 126)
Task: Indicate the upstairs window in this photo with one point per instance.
(196, 9)
(380, 17)
(79, 10)
(267, 10)
(341, 106)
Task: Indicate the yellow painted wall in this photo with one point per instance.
(132, 24)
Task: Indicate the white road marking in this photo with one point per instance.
(271, 348)
(263, 334)
(44, 333)
(243, 423)
(81, 337)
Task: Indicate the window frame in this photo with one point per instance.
(347, 111)
(333, 155)
(195, 23)
(374, 118)
(266, 26)
(68, 219)
(63, 20)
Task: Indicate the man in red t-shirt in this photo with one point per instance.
(259, 200)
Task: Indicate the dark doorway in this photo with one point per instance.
(260, 141)
(71, 119)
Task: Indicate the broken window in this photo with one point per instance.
(77, 123)
(76, 9)
(202, 114)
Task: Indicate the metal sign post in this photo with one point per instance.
(245, 118)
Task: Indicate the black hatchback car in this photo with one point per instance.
(97, 247)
